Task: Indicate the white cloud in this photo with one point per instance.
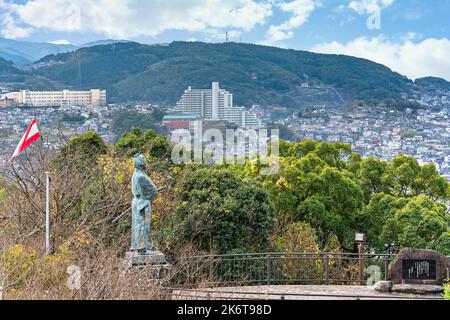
(413, 59)
(132, 18)
(62, 41)
(10, 29)
(369, 6)
(300, 11)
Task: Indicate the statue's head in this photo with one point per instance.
(139, 162)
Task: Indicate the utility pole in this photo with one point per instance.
(47, 213)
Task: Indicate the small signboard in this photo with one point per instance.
(360, 238)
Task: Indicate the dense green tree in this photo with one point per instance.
(337, 192)
(375, 215)
(331, 201)
(430, 183)
(392, 223)
(419, 224)
(371, 174)
(401, 174)
(220, 212)
(136, 141)
(313, 186)
(303, 148)
(443, 244)
(82, 150)
(233, 208)
(124, 121)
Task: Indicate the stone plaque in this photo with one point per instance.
(419, 266)
(419, 269)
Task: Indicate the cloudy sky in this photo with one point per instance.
(410, 36)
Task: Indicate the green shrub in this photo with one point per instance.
(447, 291)
(22, 269)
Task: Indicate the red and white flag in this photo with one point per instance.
(29, 137)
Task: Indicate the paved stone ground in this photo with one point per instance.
(296, 293)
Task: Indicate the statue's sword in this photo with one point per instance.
(129, 209)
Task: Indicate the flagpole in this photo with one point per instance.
(47, 197)
(31, 135)
(47, 214)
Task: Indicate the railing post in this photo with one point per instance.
(327, 271)
(211, 268)
(386, 268)
(269, 269)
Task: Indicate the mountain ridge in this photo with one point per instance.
(134, 72)
(433, 82)
(27, 52)
(256, 74)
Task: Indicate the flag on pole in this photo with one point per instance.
(29, 137)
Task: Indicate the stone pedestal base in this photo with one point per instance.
(152, 258)
(147, 269)
(418, 289)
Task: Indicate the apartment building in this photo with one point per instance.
(64, 98)
(215, 104)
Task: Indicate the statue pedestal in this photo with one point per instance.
(147, 269)
(152, 258)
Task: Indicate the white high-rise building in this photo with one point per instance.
(215, 104)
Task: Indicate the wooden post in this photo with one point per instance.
(361, 263)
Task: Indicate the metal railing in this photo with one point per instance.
(279, 268)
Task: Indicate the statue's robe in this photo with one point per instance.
(144, 191)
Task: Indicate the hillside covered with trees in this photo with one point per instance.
(255, 74)
(322, 194)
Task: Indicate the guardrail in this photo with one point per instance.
(280, 268)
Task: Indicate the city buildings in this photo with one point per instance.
(64, 98)
(215, 104)
(175, 122)
(381, 132)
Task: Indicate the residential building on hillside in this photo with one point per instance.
(215, 104)
(64, 98)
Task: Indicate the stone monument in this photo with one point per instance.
(144, 191)
(419, 271)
